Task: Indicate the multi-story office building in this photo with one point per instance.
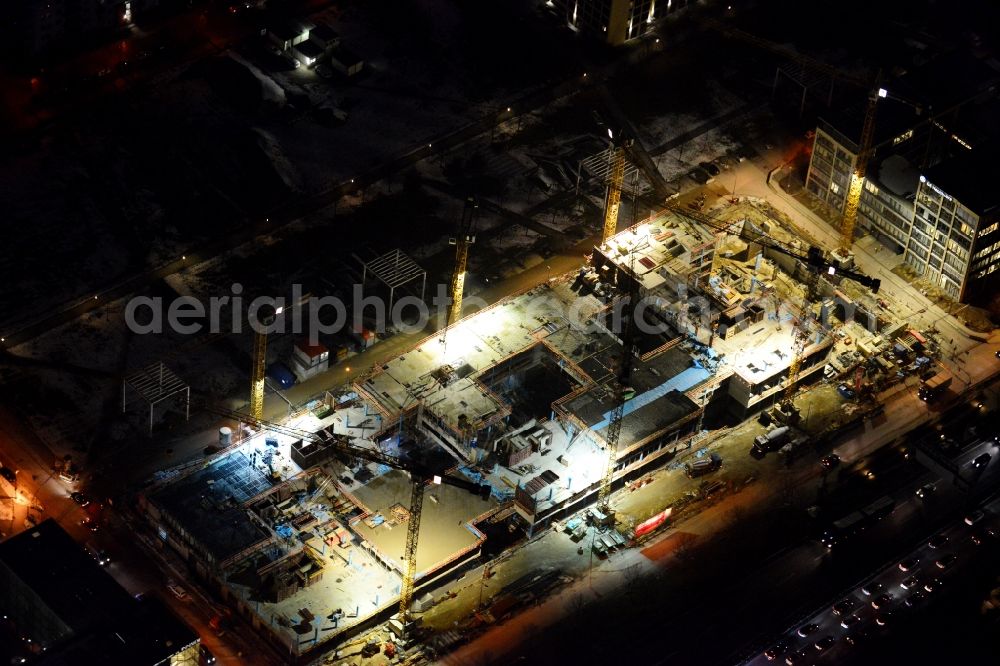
(616, 21)
(955, 239)
(895, 201)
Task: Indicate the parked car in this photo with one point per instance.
(926, 490)
(850, 620)
(205, 656)
(710, 168)
(881, 601)
(872, 589)
(824, 644)
(946, 561)
(83, 500)
(807, 629)
(176, 590)
(699, 175)
(937, 541)
(846, 392)
(974, 517)
(979, 537)
(801, 657)
(843, 607)
(981, 461)
(932, 585)
(830, 461)
(909, 564)
(910, 583)
(280, 373)
(776, 650)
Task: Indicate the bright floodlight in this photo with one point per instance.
(882, 92)
(610, 135)
(437, 479)
(831, 270)
(278, 310)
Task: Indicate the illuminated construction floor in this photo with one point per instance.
(445, 532)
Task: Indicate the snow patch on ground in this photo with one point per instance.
(286, 169)
(270, 91)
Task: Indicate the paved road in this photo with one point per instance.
(891, 578)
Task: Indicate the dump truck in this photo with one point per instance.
(934, 386)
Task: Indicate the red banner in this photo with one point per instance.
(649, 525)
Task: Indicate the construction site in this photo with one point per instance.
(527, 412)
(532, 412)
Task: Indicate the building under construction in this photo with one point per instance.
(309, 543)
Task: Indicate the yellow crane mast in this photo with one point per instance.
(616, 177)
(798, 348)
(462, 241)
(265, 318)
(856, 185)
(620, 384)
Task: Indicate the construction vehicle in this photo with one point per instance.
(934, 386)
(773, 439)
(420, 476)
(702, 467)
(462, 241)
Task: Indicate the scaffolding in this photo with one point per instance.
(394, 269)
(599, 167)
(154, 384)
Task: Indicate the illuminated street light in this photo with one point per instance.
(882, 92)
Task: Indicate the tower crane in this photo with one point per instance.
(854, 188)
(462, 241)
(265, 317)
(620, 384)
(616, 178)
(866, 146)
(420, 476)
